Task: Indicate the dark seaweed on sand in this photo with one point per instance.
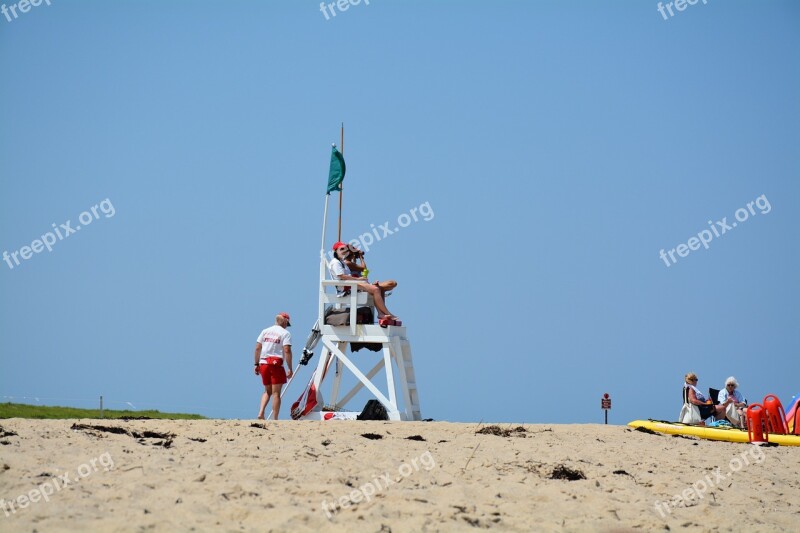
(104, 429)
(565, 472)
(166, 442)
(518, 431)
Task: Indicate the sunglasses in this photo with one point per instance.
(731, 385)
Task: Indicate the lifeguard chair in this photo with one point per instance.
(393, 358)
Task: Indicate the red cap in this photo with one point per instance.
(286, 316)
(338, 245)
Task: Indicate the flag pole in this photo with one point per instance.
(322, 262)
(341, 185)
(324, 223)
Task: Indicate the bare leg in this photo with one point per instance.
(377, 296)
(264, 400)
(742, 418)
(387, 285)
(276, 400)
(719, 412)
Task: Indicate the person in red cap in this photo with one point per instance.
(273, 347)
(340, 268)
(354, 260)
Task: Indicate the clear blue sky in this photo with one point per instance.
(560, 146)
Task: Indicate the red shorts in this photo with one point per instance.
(271, 373)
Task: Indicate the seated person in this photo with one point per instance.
(693, 396)
(730, 395)
(354, 260)
(340, 270)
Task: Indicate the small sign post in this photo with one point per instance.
(605, 404)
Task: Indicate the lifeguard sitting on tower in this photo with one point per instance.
(342, 266)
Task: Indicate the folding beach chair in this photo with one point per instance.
(714, 395)
(690, 413)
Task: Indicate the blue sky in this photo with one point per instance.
(559, 145)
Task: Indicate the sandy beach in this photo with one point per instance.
(242, 475)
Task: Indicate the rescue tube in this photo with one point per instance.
(728, 435)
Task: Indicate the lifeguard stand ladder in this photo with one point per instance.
(396, 357)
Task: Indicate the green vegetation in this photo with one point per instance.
(21, 410)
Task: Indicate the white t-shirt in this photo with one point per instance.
(723, 395)
(338, 268)
(272, 340)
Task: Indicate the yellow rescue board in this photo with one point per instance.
(728, 435)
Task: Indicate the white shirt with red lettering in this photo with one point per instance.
(338, 268)
(272, 340)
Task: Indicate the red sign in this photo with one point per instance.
(605, 402)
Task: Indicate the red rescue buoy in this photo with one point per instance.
(775, 416)
(756, 420)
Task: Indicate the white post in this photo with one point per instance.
(388, 348)
(324, 224)
(323, 264)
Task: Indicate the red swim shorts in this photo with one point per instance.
(272, 374)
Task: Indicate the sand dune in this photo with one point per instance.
(157, 475)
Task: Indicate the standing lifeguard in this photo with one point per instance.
(273, 347)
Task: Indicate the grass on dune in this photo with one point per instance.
(21, 410)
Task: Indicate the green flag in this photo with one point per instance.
(336, 173)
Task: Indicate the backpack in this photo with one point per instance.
(374, 410)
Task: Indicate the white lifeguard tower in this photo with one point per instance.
(393, 358)
(393, 362)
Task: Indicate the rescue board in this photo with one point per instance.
(704, 432)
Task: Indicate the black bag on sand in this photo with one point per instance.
(374, 410)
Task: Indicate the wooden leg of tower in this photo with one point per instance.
(319, 375)
(337, 379)
(388, 348)
(412, 407)
(402, 376)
